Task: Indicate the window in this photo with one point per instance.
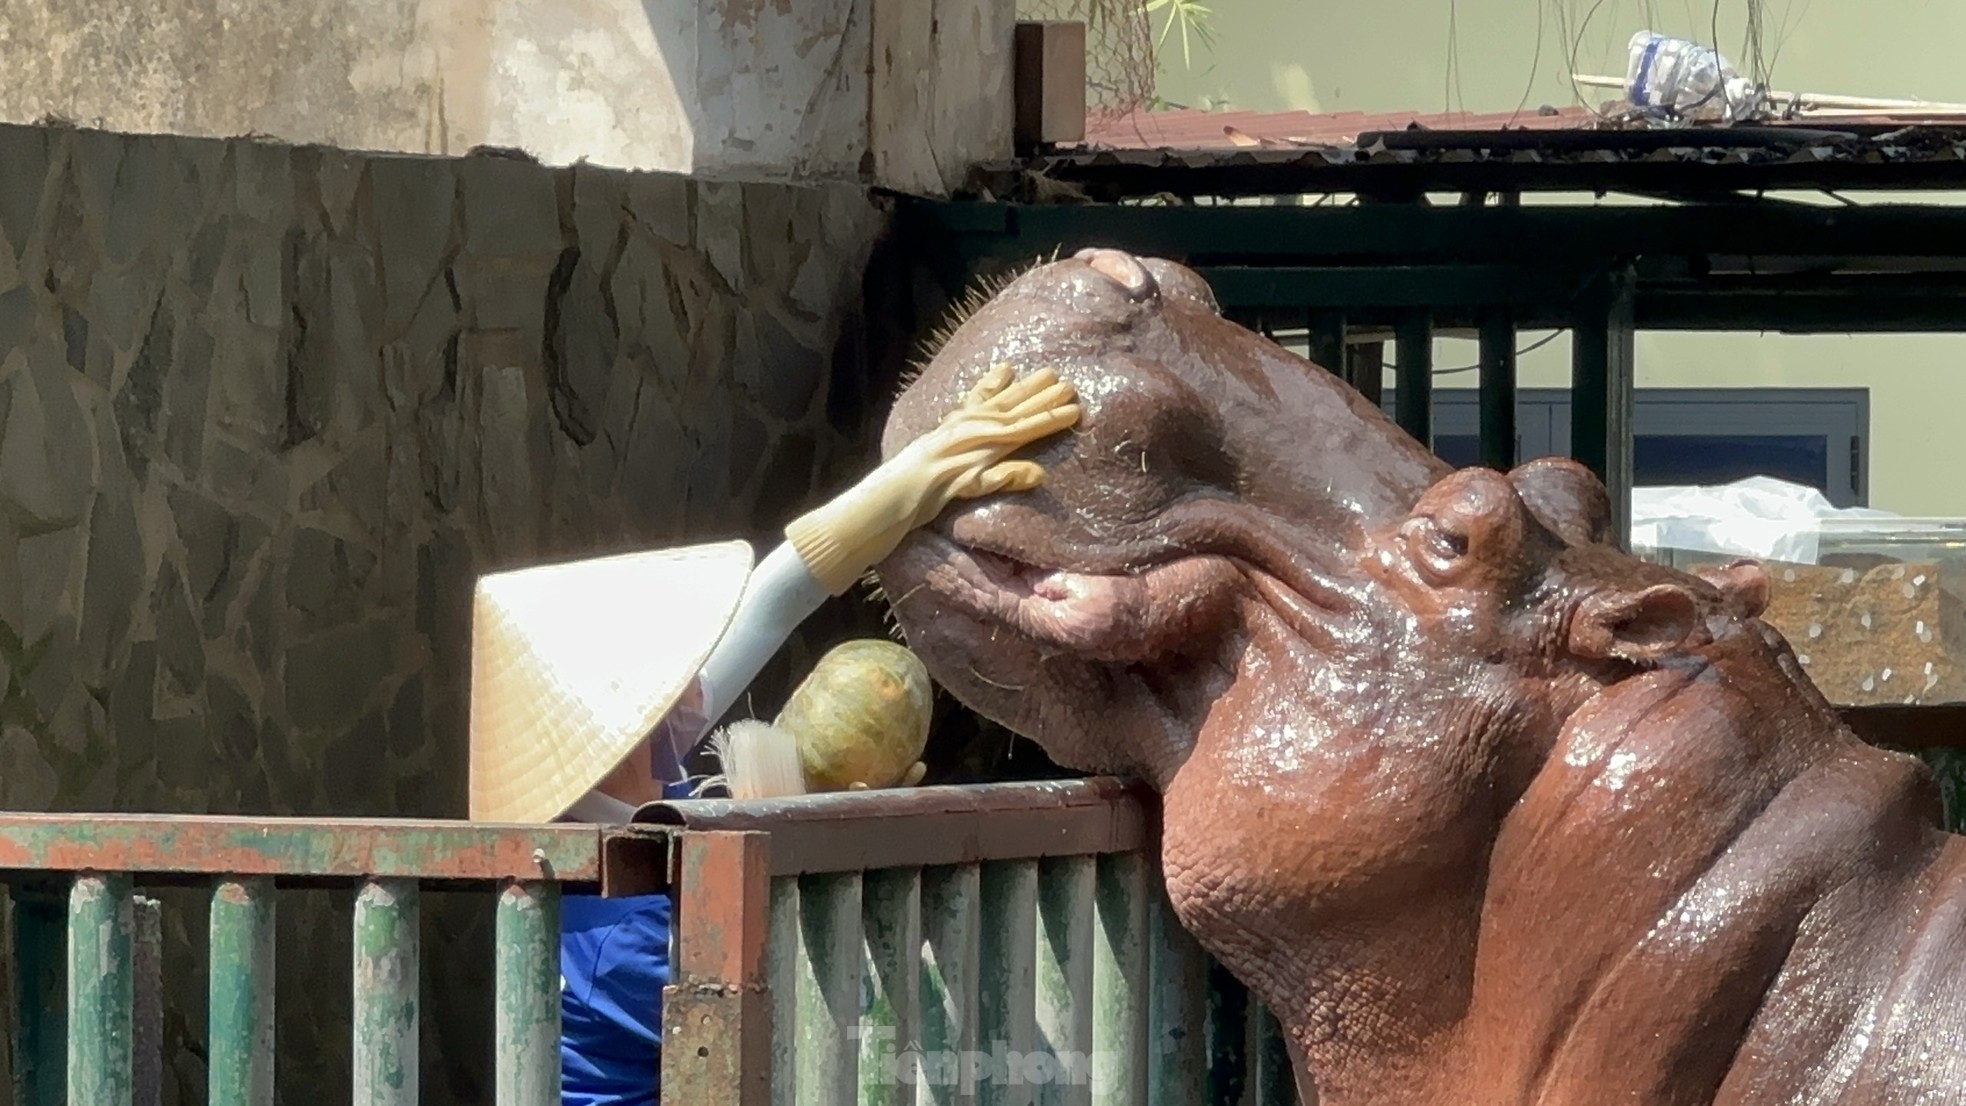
(1814, 436)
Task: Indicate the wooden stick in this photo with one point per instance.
(1938, 112)
(1809, 100)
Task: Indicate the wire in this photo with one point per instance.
(1535, 66)
(1576, 41)
(1453, 56)
(1787, 29)
(1530, 348)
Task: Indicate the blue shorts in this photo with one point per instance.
(614, 962)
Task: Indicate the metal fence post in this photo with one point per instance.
(1602, 381)
(716, 1011)
(1121, 984)
(951, 927)
(101, 988)
(1064, 993)
(1177, 1062)
(782, 984)
(240, 1019)
(1497, 385)
(527, 1019)
(387, 963)
(829, 984)
(1413, 376)
(1006, 1014)
(1365, 367)
(891, 928)
(1326, 341)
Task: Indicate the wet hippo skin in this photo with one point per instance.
(1487, 811)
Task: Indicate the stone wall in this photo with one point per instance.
(266, 411)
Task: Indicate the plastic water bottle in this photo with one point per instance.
(1674, 79)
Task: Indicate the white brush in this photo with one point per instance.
(760, 761)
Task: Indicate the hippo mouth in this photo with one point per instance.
(1116, 614)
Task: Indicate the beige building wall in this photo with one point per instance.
(1437, 55)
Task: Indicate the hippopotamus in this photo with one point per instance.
(1483, 808)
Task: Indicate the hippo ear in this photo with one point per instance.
(1567, 498)
(1743, 586)
(1642, 627)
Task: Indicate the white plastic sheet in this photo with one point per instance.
(1757, 517)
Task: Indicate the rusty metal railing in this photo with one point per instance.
(81, 934)
(1004, 943)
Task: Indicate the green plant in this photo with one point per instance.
(1191, 17)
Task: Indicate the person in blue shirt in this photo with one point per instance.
(591, 681)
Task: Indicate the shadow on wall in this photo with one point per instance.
(265, 412)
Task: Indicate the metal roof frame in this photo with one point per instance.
(1685, 162)
(1353, 276)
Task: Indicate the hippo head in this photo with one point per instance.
(1341, 662)
(1228, 515)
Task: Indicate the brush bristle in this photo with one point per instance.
(980, 292)
(760, 761)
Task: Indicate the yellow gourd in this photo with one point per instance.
(861, 717)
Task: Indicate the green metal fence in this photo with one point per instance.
(997, 944)
(85, 945)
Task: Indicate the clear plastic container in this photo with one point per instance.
(1674, 79)
(1880, 617)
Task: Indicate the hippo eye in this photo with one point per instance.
(1447, 544)
(1436, 551)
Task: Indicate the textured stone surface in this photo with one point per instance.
(268, 411)
(907, 93)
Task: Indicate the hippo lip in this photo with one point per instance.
(1095, 615)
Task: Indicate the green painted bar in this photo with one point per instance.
(891, 924)
(1365, 367)
(1602, 379)
(1325, 338)
(527, 993)
(1121, 985)
(782, 956)
(1177, 969)
(1064, 981)
(387, 958)
(240, 1072)
(1006, 1016)
(40, 938)
(829, 983)
(1413, 375)
(1497, 390)
(951, 924)
(1272, 1082)
(101, 988)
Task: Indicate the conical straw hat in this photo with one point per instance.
(573, 664)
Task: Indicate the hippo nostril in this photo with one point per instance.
(1122, 269)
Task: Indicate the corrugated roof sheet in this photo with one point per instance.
(1207, 130)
